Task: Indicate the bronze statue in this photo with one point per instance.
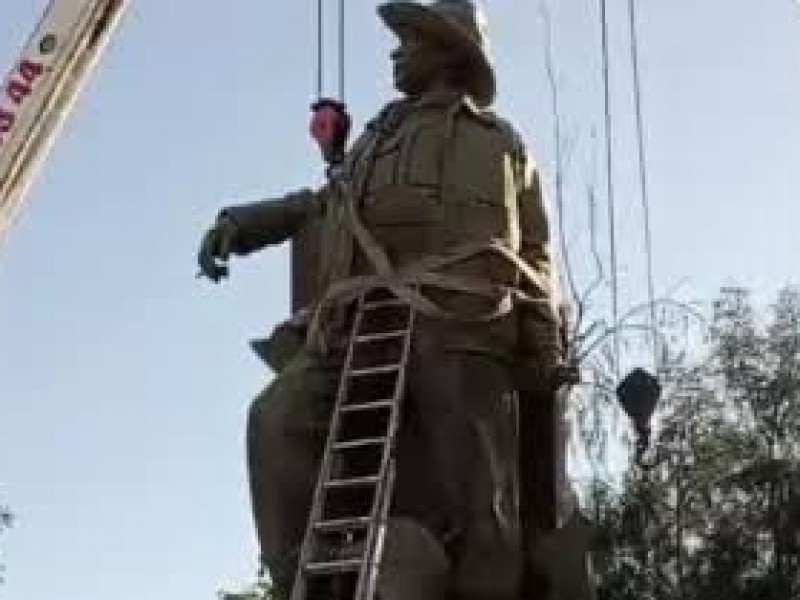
(439, 194)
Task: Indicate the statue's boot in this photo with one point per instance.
(487, 563)
(414, 565)
(564, 557)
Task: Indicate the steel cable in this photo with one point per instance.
(320, 49)
(637, 96)
(341, 50)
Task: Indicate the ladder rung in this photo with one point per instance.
(392, 368)
(333, 567)
(342, 525)
(378, 404)
(383, 303)
(378, 337)
(360, 443)
(353, 482)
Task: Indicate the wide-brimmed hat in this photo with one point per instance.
(457, 22)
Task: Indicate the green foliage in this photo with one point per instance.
(6, 519)
(715, 511)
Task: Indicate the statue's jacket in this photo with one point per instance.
(442, 197)
(438, 200)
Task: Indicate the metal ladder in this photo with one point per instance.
(343, 544)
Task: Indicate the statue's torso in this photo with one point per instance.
(427, 178)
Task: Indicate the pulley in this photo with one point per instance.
(330, 122)
(330, 127)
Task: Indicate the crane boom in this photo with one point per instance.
(42, 86)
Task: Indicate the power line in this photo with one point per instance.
(547, 23)
(637, 96)
(610, 188)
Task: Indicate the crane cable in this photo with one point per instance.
(320, 42)
(637, 97)
(610, 190)
(330, 121)
(320, 49)
(341, 49)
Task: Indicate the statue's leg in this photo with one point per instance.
(286, 431)
(461, 422)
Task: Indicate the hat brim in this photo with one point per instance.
(400, 16)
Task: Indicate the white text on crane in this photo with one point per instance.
(20, 85)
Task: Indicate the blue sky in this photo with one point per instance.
(124, 381)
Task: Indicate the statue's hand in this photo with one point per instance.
(567, 373)
(537, 375)
(215, 249)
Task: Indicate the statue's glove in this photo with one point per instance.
(215, 249)
(536, 374)
(542, 365)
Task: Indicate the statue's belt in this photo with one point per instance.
(406, 282)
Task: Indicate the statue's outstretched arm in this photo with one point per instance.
(246, 228)
(270, 222)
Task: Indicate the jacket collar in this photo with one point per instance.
(444, 98)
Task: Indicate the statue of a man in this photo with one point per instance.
(440, 190)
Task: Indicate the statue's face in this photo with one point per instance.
(419, 63)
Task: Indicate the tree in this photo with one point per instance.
(715, 511)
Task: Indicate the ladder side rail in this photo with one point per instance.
(42, 87)
(368, 576)
(306, 550)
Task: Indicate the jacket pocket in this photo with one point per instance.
(406, 222)
(402, 205)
